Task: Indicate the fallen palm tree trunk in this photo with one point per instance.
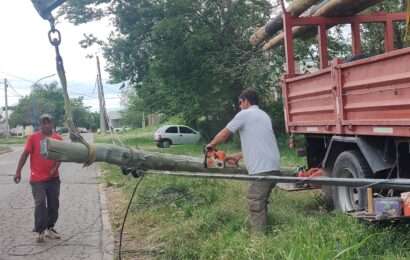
(124, 156)
(332, 8)
(296, 8)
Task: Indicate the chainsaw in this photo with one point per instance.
(216, 159)
(311, 173)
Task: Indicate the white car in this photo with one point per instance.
(175, 134)
(83, 130)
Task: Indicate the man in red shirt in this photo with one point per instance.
(44, 180)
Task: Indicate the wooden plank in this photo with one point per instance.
(323, 52)
(312, 109)
(356, 42)
(378, 104)
(378, 81)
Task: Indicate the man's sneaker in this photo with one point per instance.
(52, 233)
(40, 237)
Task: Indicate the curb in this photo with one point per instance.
(107, 234)
(7, 149)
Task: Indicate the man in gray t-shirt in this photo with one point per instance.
(259, 150)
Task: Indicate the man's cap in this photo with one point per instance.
(46, 116)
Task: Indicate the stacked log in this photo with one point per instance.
(331, 8)
(296, 8)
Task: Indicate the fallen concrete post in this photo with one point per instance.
(124, 156)
(186, 166)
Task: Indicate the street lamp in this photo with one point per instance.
(33, 100)
(43, 78)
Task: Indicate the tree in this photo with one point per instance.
(48, 98)
(186, 58)
(132, 116)
(45, 98)
(373, 34)
(82, 116)
(192, 58)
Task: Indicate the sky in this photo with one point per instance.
(26, 55)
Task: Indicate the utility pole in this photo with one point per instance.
(6, 109)
(101, 99)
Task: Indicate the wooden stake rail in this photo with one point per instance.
(185, 166)
(330, 8)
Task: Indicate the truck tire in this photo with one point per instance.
(350, 164)
(327, 193)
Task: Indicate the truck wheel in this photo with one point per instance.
(327, 193)
(350, 164)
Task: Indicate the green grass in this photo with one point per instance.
(182, 218)
(143, 139)
(12, 140)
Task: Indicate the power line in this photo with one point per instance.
(110, 98)
(82, 94)
(17, 77)
(25, 79)
(15, 91)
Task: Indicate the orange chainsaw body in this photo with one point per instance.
(215, 159)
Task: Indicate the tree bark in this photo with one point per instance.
(331, 8)
(124, 156)
(296, 8)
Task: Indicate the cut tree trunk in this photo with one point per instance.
(127, 157)
(296, 8)
(332, 8)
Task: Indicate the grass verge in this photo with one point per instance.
(12, 140)
(182, 218)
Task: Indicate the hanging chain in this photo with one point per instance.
(54, 36)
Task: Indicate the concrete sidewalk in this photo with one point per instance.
(84, 236)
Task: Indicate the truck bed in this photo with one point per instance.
(365, 97)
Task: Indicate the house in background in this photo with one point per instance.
(19, 130)
(150, 119)
(3, 124)
(153, 119)
(115, 119)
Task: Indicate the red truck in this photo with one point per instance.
(355, 115)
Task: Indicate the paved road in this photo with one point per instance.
(80, 221)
